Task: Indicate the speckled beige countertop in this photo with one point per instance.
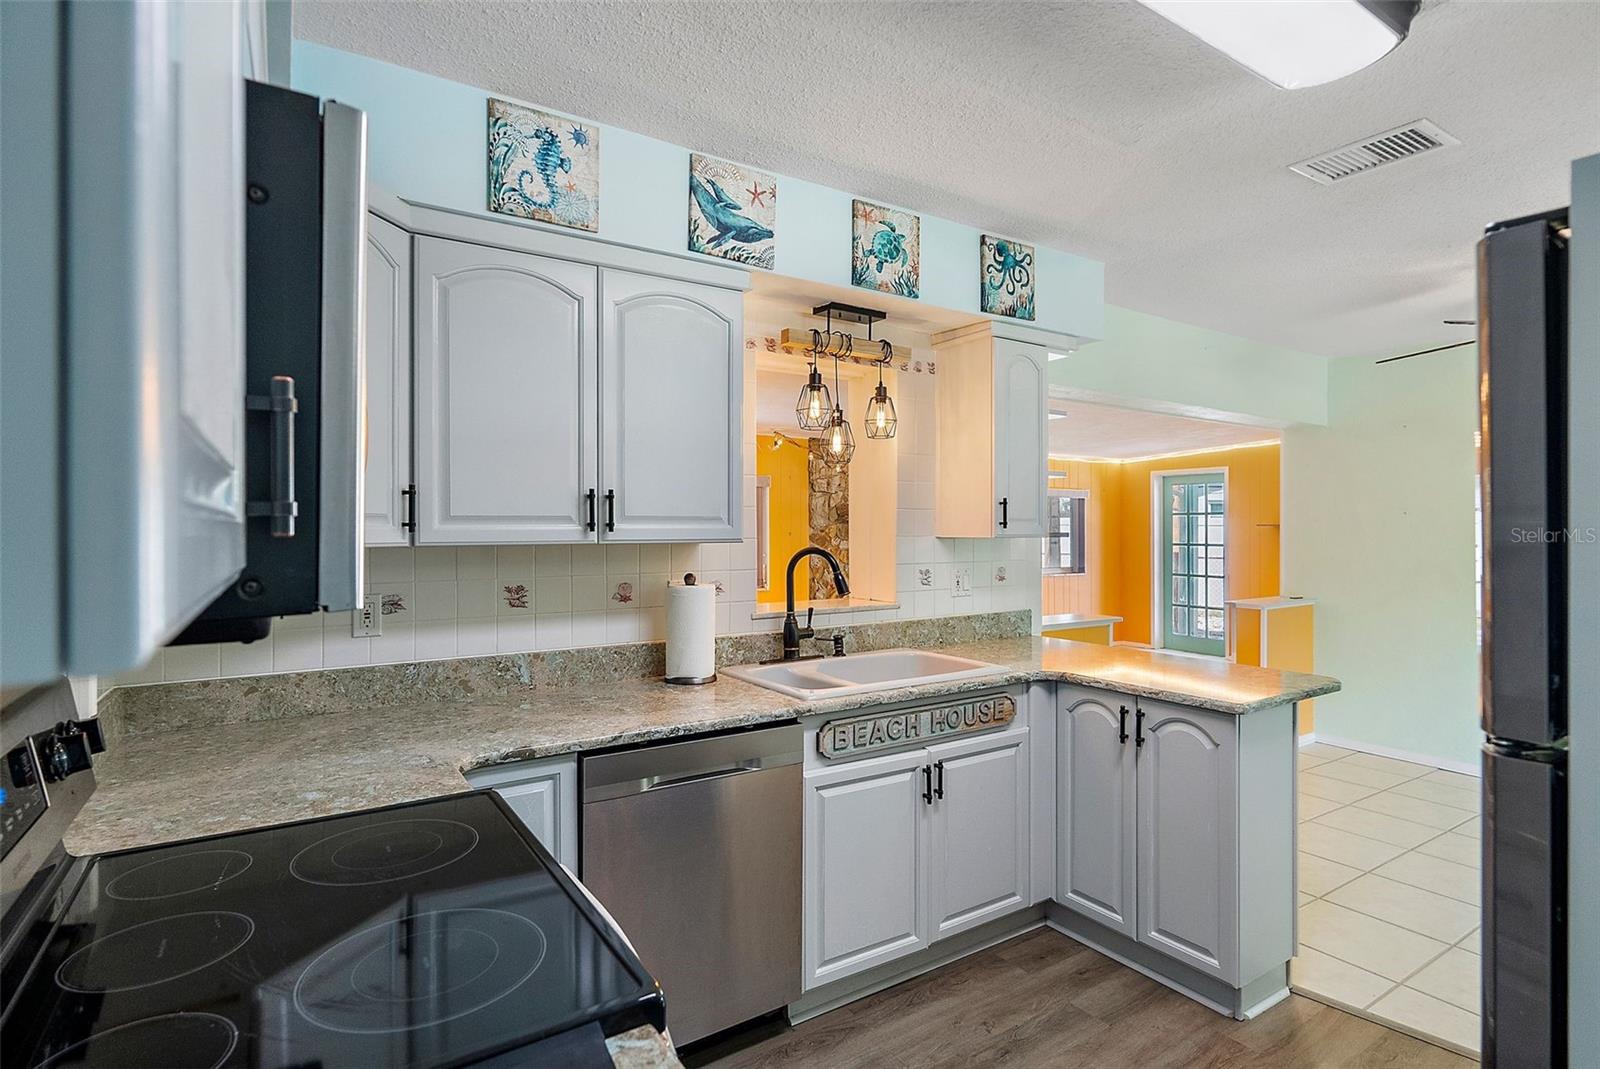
(163, 786)
(642, 1048)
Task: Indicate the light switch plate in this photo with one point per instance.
(961, 581)
(367, 621)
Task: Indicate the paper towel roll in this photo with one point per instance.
(691, 633)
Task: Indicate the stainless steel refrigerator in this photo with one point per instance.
(1523, 365)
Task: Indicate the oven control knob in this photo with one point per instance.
(57, 762)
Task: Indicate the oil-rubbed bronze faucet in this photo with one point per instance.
(792, 631)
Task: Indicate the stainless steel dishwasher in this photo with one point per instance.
(694, 848)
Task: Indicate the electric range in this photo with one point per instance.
(436, 933)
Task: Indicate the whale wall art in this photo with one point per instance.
(543, 167)
(733, 212)
(1007, 277)
(885, 249)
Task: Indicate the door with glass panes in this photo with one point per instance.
(1193, 523)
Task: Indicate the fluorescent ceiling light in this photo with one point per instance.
(1294, 43)
(1058, 356)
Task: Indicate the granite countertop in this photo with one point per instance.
(642, 1048)
(206, 779)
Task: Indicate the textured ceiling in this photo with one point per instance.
(1095, 127)
(1106, 432)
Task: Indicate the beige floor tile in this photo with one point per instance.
(1462, 849)
(1379, 826)
(1473, 828)
(1433, 791)
(1408, 769)
(1366, 942)
(1454, 976)
(1327, 977)
(1304, 898)
(1472, 944)
(1430, 1016)
(1434, 815)
(1310, 760)
(1431, 874)
(1366, 777)
(1410, 907)
(1318, 875)
(1457, 779)
(1335, 790)
(1309, 805)
(1345, 847)
(1323, 750)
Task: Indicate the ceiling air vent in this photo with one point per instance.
(1358, 157)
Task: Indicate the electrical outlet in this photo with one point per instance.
(961, 580)
(367, 621)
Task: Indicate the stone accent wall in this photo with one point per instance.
(829, 512)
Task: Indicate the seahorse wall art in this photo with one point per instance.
(543, 167)
(733, 211)
(1006, 277)
(885, 249)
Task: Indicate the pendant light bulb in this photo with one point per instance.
(881, 419)
(840, 445)
(815, 404)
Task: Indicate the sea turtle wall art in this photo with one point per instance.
(543, 167)
(1006, 277)
(885, 249)
(733, 211)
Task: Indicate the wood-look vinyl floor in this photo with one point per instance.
(1043, 999)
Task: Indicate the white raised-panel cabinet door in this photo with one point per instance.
(544, 796)
(388, 446)
(1188, 849)
(866, 865)
(1095, 805)
(980, 862)
(505, 395)
(154, 315)
(1020, 393)
(671, 403)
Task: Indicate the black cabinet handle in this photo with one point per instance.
(408, 497)
(590, 498)
(1005, 512)
(1138, 728)
(1122, 726)
(938, 791)
(927, 784)
(611, 510)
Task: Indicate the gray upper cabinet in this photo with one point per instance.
(671, 408)
(1020, 393)
(388, 446)
(1095, 805)
(506, 359)
(1188, 828)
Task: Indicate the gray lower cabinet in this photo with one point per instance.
(910, 848)
(544, 796)
(1175, 824)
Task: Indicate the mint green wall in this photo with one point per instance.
(1379, 526)
(1146, 358)
(426, 142)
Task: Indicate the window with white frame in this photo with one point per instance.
(1064, 541)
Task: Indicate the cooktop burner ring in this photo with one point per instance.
(382, 853)
(229, 864)
(171, 933)
(331, 994)
(197, 1028)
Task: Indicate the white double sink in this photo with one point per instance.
(861, 673)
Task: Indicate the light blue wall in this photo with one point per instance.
(426, 142)
(1146, 358)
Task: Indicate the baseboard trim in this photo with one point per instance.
(1466, 768)
(1307, 739)
(848, 989)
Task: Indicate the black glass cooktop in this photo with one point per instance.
(434, 934)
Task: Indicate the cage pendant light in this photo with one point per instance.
(880, 418)
(814, 410)
(839, 441)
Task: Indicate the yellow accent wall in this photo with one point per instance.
(1119, 577)
(788, 523)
